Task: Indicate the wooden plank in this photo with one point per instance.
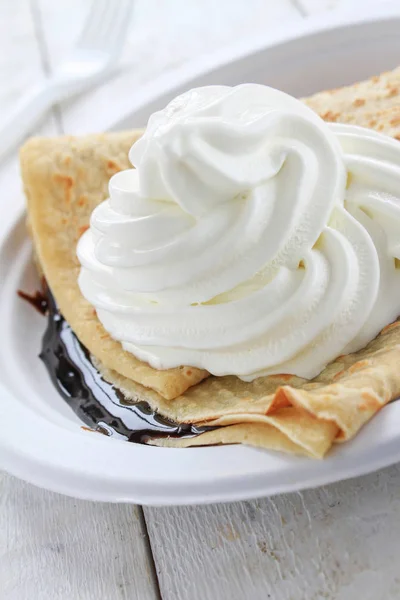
(337, 542)
(20, 69)
(53, 547)
(179, 31)
(20, 59)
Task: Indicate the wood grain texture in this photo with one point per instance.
(20, 59)
(338, 542)
(20, 69)
(55, 548)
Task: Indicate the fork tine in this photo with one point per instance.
(95, 18)
(116, 27)
(110, 12)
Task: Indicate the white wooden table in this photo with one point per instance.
(337, 542)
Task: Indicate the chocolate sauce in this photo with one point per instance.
(38, 300)
(96, 401)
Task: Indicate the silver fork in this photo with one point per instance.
(91, 60)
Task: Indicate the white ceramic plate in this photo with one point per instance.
(41, 440)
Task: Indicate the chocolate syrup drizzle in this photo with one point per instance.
(96, 401)
(38, 300)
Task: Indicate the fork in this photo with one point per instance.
(91, 60)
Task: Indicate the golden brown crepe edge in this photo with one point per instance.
(312, 415)
(369, 390)
(64, 179)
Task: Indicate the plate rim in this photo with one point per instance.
(22, 455)
(339, 19)
(38, 450)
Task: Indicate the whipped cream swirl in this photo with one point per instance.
(252, 238)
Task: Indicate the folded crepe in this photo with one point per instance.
(66, 177)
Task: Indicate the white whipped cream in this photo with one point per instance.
(252, 238)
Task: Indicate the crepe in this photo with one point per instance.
(66, 177)
(374, 103)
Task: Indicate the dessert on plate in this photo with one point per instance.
(241, 283)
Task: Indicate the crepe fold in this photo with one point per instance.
(66, 177)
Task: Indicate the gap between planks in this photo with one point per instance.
(44, 51)
(53, 547)
(187, 545)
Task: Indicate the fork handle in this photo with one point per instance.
(25, 116)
